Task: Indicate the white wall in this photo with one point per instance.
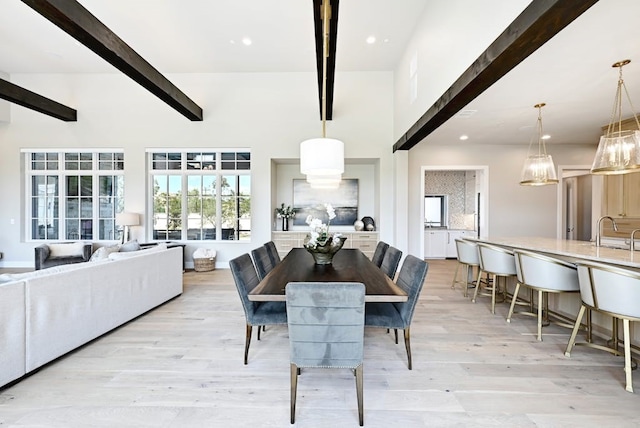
(270, 113)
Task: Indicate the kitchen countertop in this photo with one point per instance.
(585, 250)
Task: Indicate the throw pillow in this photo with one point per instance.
(102, 253)
(67, 249)
(130, 246)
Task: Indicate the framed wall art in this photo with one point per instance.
(308, 201)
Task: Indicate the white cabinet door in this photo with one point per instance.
(452, 252)
(435, 244)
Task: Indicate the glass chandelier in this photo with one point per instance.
(619, 150)
(538, 169)
(322, 159)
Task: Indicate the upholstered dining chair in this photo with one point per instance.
(262, 261)
(326, 330)
(378, 254)
(390, 261)
(399, 315)
(256, 313)
(273, 253)
(468, 257)
(499, 263)
(544, 274)
(611, 290)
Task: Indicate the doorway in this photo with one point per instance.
(576, 193)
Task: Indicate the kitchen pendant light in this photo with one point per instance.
(322, 159)
(538, 169)
(619, 150)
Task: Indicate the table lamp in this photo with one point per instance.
(127, 219)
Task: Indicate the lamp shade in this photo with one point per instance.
(538, 170)
(322, 157)
(127, 219)
(324, 181)
(618, 153)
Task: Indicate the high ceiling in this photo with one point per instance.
(572, 73)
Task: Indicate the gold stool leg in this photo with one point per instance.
(540, 307)
(576, 327)
(475, 292)
(627, 354)
(455, 276)
(513, 301)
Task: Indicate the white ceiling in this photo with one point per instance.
(571, 73)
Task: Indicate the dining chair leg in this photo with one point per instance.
(627, 354)
(247, 342)
(395, 330)
(359, 384)
(407, 345)
(259, 328)
(574, 333)
(513, 301)
(540, 307)
(294, 389)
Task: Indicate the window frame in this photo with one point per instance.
(204, 167)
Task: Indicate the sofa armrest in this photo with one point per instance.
(41, 255)
(87, 251)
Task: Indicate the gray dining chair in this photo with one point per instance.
(611, 290)
(390, 261)
(256, 313)
(543, 274)
(326, 330)
(273, 253)
(262, 261)
(398, 315)
(378, 254)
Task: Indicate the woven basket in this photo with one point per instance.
(204, 264)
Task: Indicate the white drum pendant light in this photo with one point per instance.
(322, 159)
(618, 150)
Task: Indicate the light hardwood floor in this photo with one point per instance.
(181, 366)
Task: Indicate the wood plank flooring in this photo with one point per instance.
(180, 365)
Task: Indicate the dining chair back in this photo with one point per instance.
(544, 274)
(615, 291)
(256, 313)
(378, 254)
(273, 253)
(390, 261)
(499, 263)
(262, 261)
(398, 315)
(468, 257)
(326, 330)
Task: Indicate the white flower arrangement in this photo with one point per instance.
(319, 234)
(285, 212)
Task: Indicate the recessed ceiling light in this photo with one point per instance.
(385, 41)
(371, 40)
(464, 137)
(233, 42)
(546, 136)
(246, 41)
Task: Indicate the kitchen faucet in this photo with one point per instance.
(632, 244)
(598, 231)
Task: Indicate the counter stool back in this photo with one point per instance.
(543, 274)
(615, 291)
(497, 262)
(469, 258)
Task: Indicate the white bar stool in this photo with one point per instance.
(497, 262)
(469, 258)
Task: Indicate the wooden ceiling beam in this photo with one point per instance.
(331, 59)
(80, 24)
(536, 25)
(21, 96)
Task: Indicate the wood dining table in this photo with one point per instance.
(349, 265)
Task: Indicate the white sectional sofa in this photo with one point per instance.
(47, 313)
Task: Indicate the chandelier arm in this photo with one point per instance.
(633, 110)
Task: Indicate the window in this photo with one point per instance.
(74, 194)
(435, 210)
(201, 195)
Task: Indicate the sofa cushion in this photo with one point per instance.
(66, 249)
(130, 246)
(7, 277)
(102, 253)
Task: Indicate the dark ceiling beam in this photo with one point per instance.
(331, 60)
(79, 23)
(18, 95)
(536, 25)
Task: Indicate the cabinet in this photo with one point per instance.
(439, 244)
(622, 195)
(364, 241)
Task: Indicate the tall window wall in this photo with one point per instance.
(74, 195)
(201, 195)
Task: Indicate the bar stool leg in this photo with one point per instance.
(475, 293)
(513, 301)
(627, 354)
(540, 307)
(576, 327)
